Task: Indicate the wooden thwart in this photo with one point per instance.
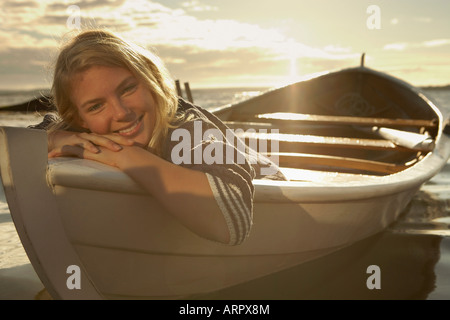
(298, 160)
(282, 117)
(290, 141)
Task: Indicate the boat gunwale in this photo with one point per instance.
(265, 190)
(63, 172)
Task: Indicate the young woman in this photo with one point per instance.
(117, 105)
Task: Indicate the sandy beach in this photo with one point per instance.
(18, 280)
(17, 277)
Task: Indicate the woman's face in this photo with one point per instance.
(112, 100)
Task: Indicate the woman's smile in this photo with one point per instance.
(113, 100)
(132, 129)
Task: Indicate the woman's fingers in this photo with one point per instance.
(85, 144)
(119, 139)
(96, 140)
(105, 155)
(66, 143)
(67, 151)
(110, 141)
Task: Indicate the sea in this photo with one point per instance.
(409, 260)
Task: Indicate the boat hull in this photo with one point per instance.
(128, 247)
(74, 214)
(166, 260)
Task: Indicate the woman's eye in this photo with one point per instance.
(94, 107)
(129, 89)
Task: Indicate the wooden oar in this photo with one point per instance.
(410, 140)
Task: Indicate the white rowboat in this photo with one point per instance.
(356, 145)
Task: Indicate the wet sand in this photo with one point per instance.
(18, 280)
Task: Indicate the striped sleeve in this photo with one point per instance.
(236, 204)
(229, 176)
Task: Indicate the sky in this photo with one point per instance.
(237, 43)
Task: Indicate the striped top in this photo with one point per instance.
(230, 174)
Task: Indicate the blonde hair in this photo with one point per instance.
(100, 47)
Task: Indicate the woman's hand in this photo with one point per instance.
(66, 143)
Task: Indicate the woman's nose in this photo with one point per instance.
(120, 111)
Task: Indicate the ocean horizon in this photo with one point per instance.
(204, 96)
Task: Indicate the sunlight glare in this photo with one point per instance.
(293, 69)
(292, 56)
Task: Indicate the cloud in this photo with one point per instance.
(337, 49)
(213, 47)
(195, 5)
(436, 43)
(85, 4)
(394, 21)
(152, 23)
(13, 5)
(425, 44)
(396, 46)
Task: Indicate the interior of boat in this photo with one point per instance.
(353, 122)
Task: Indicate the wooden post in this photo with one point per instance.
(177, 84)
(187, 89)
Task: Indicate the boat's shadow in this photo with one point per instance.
(406, 271)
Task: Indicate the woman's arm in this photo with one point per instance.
(184, 192)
